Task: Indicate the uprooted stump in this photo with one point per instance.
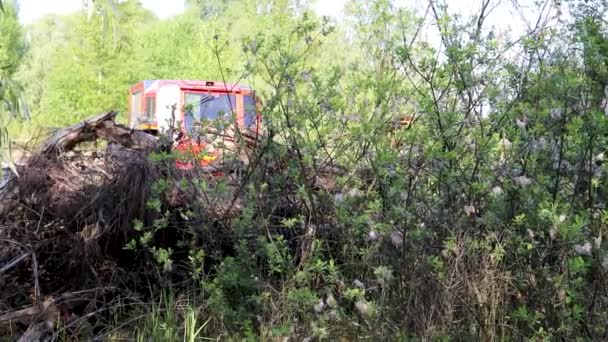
(101, 126)
(65, 221)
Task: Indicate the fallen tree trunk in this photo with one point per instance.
(101, 126)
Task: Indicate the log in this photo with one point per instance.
(47, 307)
(101, 126)
(104, 127)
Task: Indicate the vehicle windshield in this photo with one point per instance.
(251, 114)
(200, 107)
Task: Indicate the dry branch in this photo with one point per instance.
(44, 316)
(101, 126)
(27, 314)
(16, 261)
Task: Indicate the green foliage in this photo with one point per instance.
(90, 74)
(231, 295)
(483, 219)
(163, 322)
(12, 43)
(278, 254)
(12, 49)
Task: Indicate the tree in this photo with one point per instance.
(12, 49)
(45, 37)
(91, 71)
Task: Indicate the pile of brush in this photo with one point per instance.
(67, 216)
(66, 219)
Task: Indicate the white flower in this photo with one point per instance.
(320, 306)
(331, 301)
(470, 210)
(597, 172)
(505, 143)
(362, 306)
(354, 192)
(564, 165)
(553, 233)
(522, 181)
(497, 190)
(584, 249)
(539, 143)
(372, 235)
(599, 157)
(531, 234)
(521, 123)
(397, 238)
(445, 253)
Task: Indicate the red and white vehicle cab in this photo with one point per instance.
(151, 104)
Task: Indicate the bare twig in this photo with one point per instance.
(16, 261)
(36, 281)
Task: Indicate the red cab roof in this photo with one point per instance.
(151, 86)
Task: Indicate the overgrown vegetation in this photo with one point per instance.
(483, 219)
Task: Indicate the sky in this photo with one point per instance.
(32, 10)
(503, 17)
(332, 8)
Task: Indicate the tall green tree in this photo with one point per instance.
(45, 37)
(93, 70)
(12, 48)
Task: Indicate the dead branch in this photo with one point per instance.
(101, 126)
(51, 308)
(16, 261)
(35, 273)
(26, 314)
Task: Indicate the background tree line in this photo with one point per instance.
(75, 65)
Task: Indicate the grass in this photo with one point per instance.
(165, 319)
